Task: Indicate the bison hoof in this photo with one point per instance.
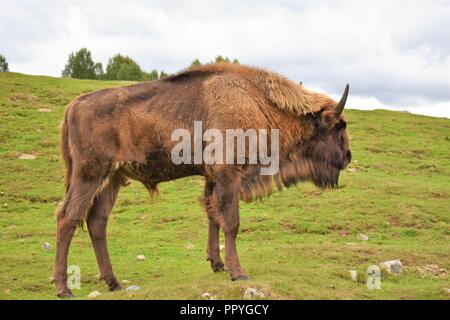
(65, 294)
(241, 277)
(218, 266)
(115, 286)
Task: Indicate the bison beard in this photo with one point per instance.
(114, 134)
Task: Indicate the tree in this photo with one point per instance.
(150, 76)
(98, 69)
(3, 64)
(124, 68)
(81, 66)
(220, 59)
(196, 62)
(163, 75)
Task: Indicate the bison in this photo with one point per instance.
(114, 134)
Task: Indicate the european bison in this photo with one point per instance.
(114, 134)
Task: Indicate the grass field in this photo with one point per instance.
(297, 244)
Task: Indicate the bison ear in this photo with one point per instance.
(328, 119)
(340, 106)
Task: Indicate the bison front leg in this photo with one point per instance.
(226, 194)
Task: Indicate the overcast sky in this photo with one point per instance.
(394, 54)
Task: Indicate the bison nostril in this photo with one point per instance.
(349, 156)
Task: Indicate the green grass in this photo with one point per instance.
(296, 244)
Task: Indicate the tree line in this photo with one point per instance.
(80, 65)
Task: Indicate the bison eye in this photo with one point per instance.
(341, 125)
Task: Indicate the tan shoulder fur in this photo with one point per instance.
(285, 94)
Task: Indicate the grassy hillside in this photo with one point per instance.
(297, 244)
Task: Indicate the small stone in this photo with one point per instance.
(354, 275)
(94, 294)
(351, 170)
(362, 237)
(252, 293)
(44, 110)
(133, 288)
(126, 282)
(190, 246)
(140, 257)
(221, 247)
(46, 246)
(27, 156)
(392, 266)
(209, 296)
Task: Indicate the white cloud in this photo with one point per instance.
(394, 54)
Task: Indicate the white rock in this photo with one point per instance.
(140, 257)
(46, 246)
(44, 110)
(362, 237)
(392, 266)
(133, 288)
(351, 170)
(94, 294)
(27, 156)
(252, 293)
(354, 275)
(190, 246)
(209, 296)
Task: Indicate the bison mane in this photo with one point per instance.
(277, 89)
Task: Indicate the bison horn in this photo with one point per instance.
(340, 106)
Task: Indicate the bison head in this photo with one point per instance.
(326, 148)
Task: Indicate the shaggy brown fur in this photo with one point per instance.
(111, 135)
(280, 91)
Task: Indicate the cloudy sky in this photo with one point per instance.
(394, 54)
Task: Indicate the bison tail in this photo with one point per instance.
(65, 151)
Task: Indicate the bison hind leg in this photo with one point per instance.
(213, 247)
